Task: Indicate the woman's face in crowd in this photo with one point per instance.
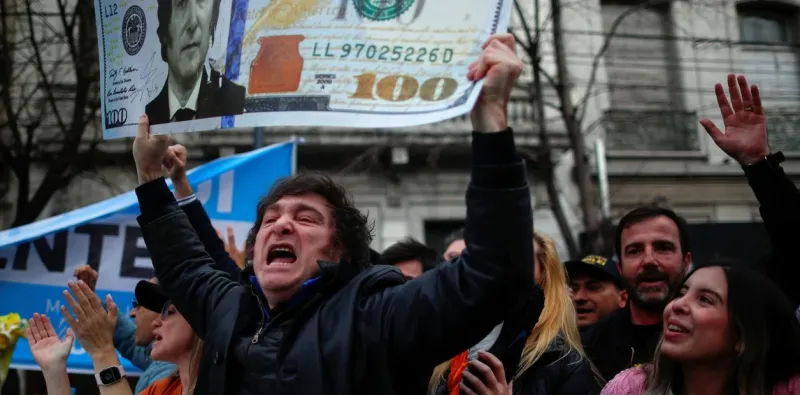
(173, 336)
(696, 325)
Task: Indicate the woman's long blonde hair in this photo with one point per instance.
(195, 356)
(557, 319)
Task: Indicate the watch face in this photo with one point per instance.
(110, 375)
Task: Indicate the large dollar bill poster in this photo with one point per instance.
(194, 65)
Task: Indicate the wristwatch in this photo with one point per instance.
(109, 375)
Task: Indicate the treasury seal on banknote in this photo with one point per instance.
(382, 10)
(134, 28)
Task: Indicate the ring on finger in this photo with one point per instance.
(748, 108)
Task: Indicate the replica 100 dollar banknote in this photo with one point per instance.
(194, 65)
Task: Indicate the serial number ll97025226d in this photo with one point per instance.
(395, 53)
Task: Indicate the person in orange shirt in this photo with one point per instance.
(93, 326)
(175, 342)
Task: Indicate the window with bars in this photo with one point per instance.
(638, 130)
(645, 94)
(767, 23)
(783, 128)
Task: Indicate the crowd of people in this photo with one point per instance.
(308, 308)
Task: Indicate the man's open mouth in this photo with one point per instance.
(281, 254)
(583, 310)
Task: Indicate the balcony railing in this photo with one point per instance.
(648, 130)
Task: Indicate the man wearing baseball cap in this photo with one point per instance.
(597, 288)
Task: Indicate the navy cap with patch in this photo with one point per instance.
(597, 266)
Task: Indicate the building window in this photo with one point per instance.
(639, 130)
(646, 100)
(767, 24)
(782, 129)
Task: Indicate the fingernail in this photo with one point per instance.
(81, 282)
(142, 118)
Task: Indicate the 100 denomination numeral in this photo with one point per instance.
(116, 117)
(409, 88)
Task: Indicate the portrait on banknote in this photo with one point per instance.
(193, 89)
(195, 65)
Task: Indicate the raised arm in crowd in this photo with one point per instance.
(745, 140)
(316, 317)
(719, 328)
(133, 336)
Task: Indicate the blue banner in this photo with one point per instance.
(38, 259)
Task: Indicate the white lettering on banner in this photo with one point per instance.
(52, 307)
(203, 192)
(225, 200)
(113, 247)
(224, 192)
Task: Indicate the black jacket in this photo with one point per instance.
(608, 342)
(218, 96)
(558, 372)
(611, 345)
(208, 236)
(353, 331)
(779, 204)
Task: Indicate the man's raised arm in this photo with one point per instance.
(183, 267)
(449, 309)
(175, 164)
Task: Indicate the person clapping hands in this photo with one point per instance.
(50, 352)
(93, 326)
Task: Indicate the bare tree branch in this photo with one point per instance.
(40, 67)
(6, 71)
(544, 157)
(48, 119)
(68, 27)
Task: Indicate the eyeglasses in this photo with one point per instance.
(135, 304)
(167, 311)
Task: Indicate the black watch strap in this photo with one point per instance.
(769, 162)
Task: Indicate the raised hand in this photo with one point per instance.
(86, 274)
(92, 325)
(745, 137)
(175, 163)
(501, 67)
(239, 257)
(48, 350)
(148, 152)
